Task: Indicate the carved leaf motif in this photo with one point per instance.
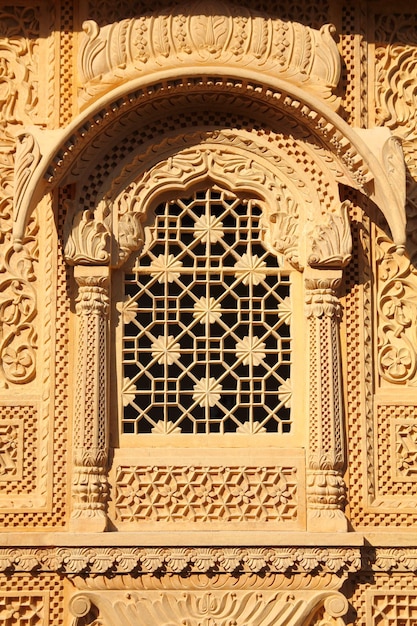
(330, 243)
(214, 608)
(209, 31)
(88, 240)
(203, 32)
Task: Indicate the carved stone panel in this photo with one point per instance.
(218, 608)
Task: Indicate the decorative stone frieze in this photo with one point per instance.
(168, 561)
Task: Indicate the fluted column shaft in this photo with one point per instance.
(90, 485)
(326, 457)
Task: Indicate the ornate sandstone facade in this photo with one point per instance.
(208, 309)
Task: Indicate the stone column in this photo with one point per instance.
(89, 484)
(326, 454)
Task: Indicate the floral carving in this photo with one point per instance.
(250, 269)
(207, 310)
(207, 391)
(209, 494)
(19, 49)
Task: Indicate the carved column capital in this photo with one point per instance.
(93, 291)
(321, 293)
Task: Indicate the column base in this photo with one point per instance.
(323, 520)
(89, 522)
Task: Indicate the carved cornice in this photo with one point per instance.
(196, 34)
(243, 561)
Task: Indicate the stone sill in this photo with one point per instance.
(184, 539)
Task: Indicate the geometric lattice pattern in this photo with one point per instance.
(207, 494)
(28, 600)
(18, 446)
(397, 453)
(207, 346)
(23, 610)
(393, 609)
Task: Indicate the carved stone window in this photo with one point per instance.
(207, 345)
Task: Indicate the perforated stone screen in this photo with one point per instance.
(207, 342)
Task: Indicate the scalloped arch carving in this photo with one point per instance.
(298, 222)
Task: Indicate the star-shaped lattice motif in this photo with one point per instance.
(285, 393)
(165, 268)
(166, 350)
(129, 391)
(250, 269)
(207, 310)
(251, 350)
(207, 391)
(208, 229)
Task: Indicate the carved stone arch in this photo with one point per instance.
(367, 160)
